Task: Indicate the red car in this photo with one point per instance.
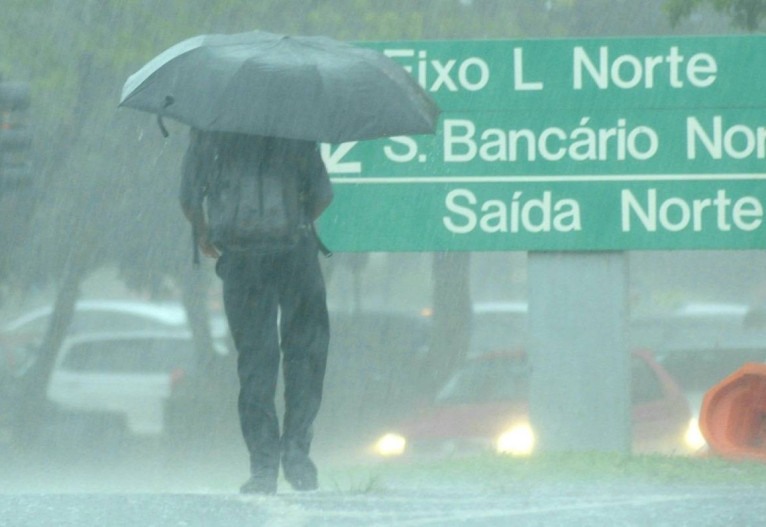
(484, 407)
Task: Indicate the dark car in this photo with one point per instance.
(372, 371)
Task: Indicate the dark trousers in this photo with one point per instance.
(277, 302)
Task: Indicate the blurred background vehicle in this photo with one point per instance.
(373, 371)
(378, 359)
(20, 337)
(498, 326)
(484, 407)
(114, 388)
(691, 321)
(120, 366)
(700, 363)
(130, 375)
(700, 343)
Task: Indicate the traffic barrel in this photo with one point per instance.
(733, 415)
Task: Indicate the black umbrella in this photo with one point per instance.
(313, 88)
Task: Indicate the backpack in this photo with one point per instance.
(255, 194)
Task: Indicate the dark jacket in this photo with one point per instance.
(201, 160)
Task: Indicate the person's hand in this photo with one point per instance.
(207, 248)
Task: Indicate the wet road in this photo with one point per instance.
(554, 505)
(148, 487)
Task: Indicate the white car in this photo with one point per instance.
(112, 315)
(131, 375)
(20, 337)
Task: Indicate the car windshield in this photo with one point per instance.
(117, 356)
(507, 379)
(85, 321)
(700, 370)
(499, 331)
(483, 380)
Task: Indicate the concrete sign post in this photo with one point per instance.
(573, 150)
(579, 389)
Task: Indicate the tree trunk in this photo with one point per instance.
(452, 318)
(34, 406)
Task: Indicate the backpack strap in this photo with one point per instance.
(322, 247)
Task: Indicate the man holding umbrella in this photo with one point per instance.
(260, 102)
(273, 291)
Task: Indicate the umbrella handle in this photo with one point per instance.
(168, 101)
(162, 126)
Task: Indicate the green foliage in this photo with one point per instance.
(745, 14)
(506, 471)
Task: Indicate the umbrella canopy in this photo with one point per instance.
(312, 88)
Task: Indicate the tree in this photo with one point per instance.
(744, 14)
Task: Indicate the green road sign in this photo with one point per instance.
(603, 144)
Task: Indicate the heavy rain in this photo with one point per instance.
(494, 358)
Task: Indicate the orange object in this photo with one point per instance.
(733, 416)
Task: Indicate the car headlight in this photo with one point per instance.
(693, 436)
(519, 440)
(390, 445)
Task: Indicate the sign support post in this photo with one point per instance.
(580, 383)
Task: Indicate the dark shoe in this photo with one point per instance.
(259, 485)
(300, 474)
